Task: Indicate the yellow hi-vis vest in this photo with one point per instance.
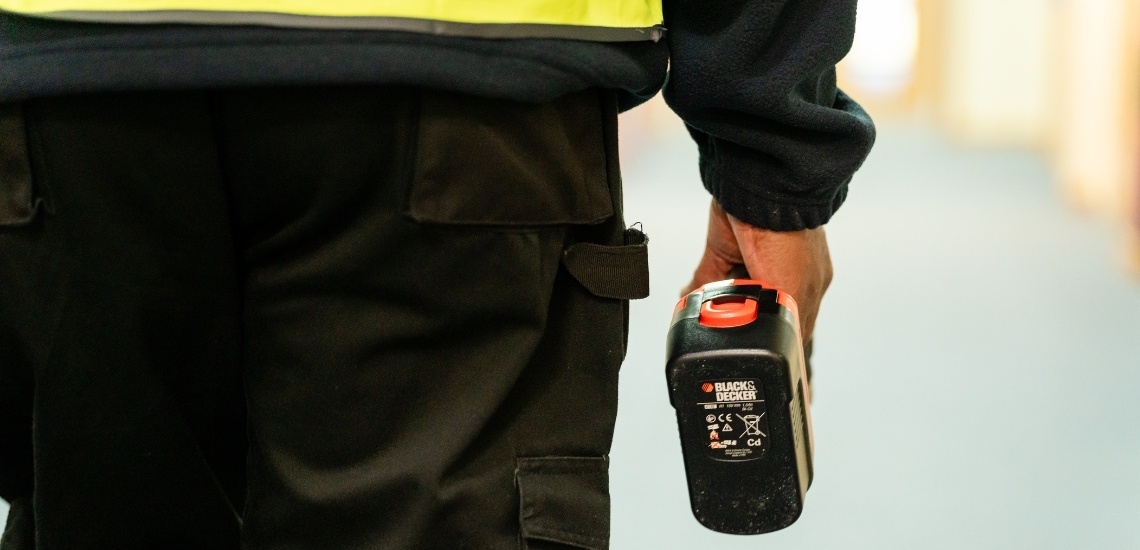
(600, 20)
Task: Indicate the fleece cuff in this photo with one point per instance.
(751, 189)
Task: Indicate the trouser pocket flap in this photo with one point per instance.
(565, 500)
(17, 205)
(620, 272)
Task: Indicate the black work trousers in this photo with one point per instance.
(308, 318)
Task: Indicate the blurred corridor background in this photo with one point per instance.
(978, 355)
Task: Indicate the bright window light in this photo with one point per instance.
(886, 43)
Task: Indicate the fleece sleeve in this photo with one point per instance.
(754, 80)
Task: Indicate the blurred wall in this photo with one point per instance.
(1096, 146)
(996, 70)
(1058, 76)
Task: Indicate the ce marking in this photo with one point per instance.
(722, 418)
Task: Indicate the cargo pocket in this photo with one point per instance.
(564, 502)
(491, 162)
(18, 202)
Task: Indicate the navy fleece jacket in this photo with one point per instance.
(753, 79)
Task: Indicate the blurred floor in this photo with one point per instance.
(977, 363)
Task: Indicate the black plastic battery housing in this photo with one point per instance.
(739, 388)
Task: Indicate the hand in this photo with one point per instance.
(796, 262)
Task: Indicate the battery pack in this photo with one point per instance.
(737, 381)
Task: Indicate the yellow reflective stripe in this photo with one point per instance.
(594, 13)
(406, 24)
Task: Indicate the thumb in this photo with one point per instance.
(722, 253)
(712, 267)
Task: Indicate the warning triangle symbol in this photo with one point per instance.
(727, 428)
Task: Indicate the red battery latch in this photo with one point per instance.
(728, 311)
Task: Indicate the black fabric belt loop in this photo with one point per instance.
(620, 272)
(17, 205)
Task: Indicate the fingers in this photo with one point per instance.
(795, 262)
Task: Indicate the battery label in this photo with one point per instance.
(736, 422)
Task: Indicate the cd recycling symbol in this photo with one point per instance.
(752, 424)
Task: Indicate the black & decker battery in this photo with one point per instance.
(736, 378)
